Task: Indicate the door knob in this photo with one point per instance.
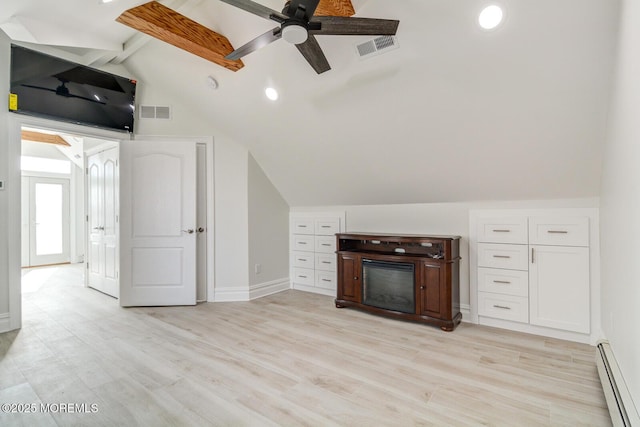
(190, 231)
(200, 230)
(98, 228)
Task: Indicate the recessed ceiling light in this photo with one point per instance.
(490, 17)
(271, 93)
(104, 1)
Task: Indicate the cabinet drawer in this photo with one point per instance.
(325, 244)
(304, 276)
(507, 282)
(505, 307)
(559, 231)
(325, 262)
(302, 226)
(327, 227)
(303, 243)
(503, 230)
(326, 280)
(513, 257)
(302, 259)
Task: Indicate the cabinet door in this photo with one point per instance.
(559, 287)
(349, 283)
(430, 292)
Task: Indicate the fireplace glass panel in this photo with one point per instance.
(389, 285)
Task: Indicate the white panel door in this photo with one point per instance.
(201, 222)
(26, 228)
(49, 221)
(102, 202)
(158, 223)
(559, 288)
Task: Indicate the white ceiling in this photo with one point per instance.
(455, 114)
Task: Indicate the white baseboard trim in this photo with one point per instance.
(536, 330)
(268, 288)
(231, 294)
(314, 290)
(621, 407)
(5, 322)
(465, 309)
(241, 293)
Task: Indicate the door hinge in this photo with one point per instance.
(86, 171)
(87, 266)
(87, 218)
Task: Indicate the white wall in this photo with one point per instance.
(436, 218)
(268, 228)
(620, 207)
(4, 173)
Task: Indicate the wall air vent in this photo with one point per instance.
(377, 46)
(155, 112)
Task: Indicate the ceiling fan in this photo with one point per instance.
(299, 26)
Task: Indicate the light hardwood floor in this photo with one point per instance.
(288, 359)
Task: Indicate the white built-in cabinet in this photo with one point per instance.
(313, 247)
(532, 271)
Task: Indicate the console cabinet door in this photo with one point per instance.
(349, 283)
(429, 290)
(559, 288)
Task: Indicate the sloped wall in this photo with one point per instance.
(268, 229)
(620, 207)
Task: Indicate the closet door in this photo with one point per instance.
(102, 202)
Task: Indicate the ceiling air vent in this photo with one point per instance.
(377, 46)
(155, 112)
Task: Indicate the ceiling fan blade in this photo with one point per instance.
(335, 8)
(313, 54)
(308, 6)
(255, 44)
(258, 9)
(166, 24)
(341, 26)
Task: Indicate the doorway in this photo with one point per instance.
(45, 221)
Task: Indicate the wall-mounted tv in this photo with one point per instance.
(53, 88)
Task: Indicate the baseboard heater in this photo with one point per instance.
(621, 407)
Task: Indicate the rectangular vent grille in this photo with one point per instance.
(377, 46)
(155, 112)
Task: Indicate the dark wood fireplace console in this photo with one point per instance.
(435, 261)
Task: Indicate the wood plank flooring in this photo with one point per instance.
(290, 359)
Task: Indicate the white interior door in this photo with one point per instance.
(49, 221)
(102, 222)
(157, 223)
(201, 222)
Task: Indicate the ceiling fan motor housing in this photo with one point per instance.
(294, 31)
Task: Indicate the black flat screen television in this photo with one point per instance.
(53, 88)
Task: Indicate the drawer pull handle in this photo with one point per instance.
(325, 226)
(301, 276)
(501, 256)
(557, 232)
(302, 243)
(326, 280)
(302, 226)
(301, 259)
(326, 262)
(503, 307)
(502, 281)
(502, 231)
(326, 244)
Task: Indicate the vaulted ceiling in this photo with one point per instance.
(456, 113)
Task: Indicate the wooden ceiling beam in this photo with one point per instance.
(335, 8)
(176, 29)
(44, 137)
